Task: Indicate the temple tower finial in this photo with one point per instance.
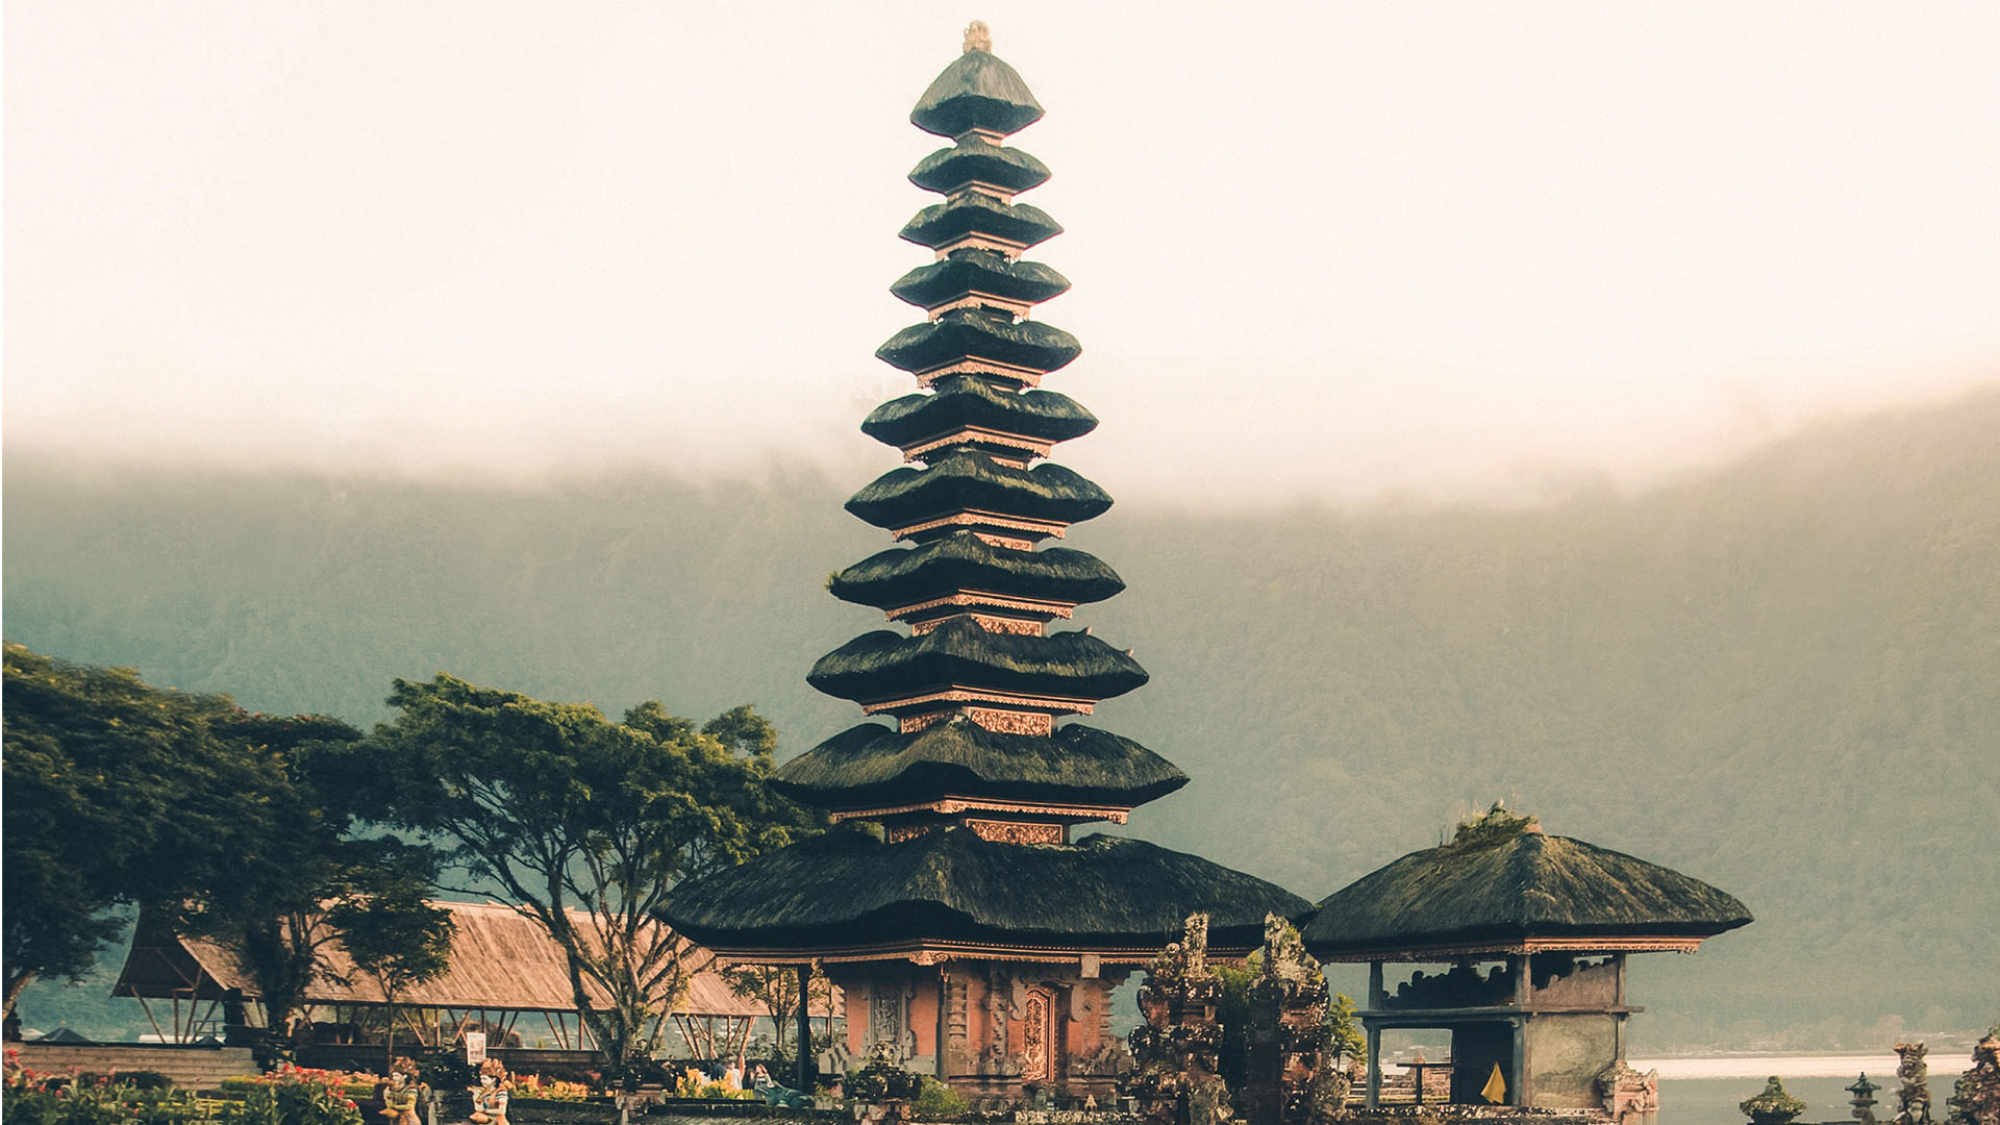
(977, 38)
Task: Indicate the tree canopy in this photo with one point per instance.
(582, 823)
(119, 793)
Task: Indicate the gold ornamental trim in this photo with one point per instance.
(959, 693)
(976, 299)
(931, 951)
(950, 805)
(972, 517)
(1446, 952)
(1037, 606)
(969, 435)
(986, 368)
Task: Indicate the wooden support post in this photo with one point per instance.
(1523, 1089)
(1378, 997)
(1374, 1053)
(808, 1066)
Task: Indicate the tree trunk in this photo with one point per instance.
(16, 982)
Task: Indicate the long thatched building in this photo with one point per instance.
(506, 976)
(1551, 921)
(974, 937)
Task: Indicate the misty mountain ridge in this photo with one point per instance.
(1780, 674)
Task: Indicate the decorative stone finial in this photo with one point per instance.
(977, 37)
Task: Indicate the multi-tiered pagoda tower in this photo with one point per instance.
(972, 936)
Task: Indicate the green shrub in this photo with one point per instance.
(143, 1080)
(939, 1102)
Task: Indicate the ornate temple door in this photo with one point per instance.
(1038, 1036)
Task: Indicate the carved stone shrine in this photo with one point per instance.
(1913, 1099)
(1289, 1077)
(1176, 1049)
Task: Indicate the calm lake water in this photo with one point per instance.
(1704, 1091)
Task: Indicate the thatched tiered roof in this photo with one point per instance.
(848, 893)
(1070, 664)
(977, 91)
(1502, 885)
(875, 766)
(977, 787)
(967, 480)
(973, 159)
(958, 401)
(973, 334)
(965, 561)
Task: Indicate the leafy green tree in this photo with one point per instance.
(115, 791)
(302, 878)
(581, 823)
(120, 793)
(776, 989)
(397, 938)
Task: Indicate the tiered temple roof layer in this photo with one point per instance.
(954, 893)
(873, 766)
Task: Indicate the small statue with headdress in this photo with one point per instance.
(400, 1096)
(489, 1101)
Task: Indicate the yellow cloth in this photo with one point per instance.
(1495, 1090)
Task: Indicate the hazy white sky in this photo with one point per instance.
(1317, 248)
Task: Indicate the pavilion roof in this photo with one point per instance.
(500, 960)
(1504, 885)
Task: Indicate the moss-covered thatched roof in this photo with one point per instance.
(958, 401)
(965, 271)
(968, 480)
(999, 165)
(964, 561)
(883, 665)
(872, 765)
(972, 213)
(977, 91)
(1502, 880)
(846, 888)
(974, 334)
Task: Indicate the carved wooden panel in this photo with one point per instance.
(1037, 1036)
(885, 1016)
(1014, 832)
(1012, 722)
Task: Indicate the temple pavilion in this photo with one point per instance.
(976, 937)
(1535, 930)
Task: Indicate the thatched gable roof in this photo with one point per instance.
(847, 889)
(500, 961)
(871, 765)
(1501, 884)
(884, 664)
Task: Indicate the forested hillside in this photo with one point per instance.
(1781, 676)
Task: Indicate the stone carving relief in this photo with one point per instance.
(1914, 1099)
